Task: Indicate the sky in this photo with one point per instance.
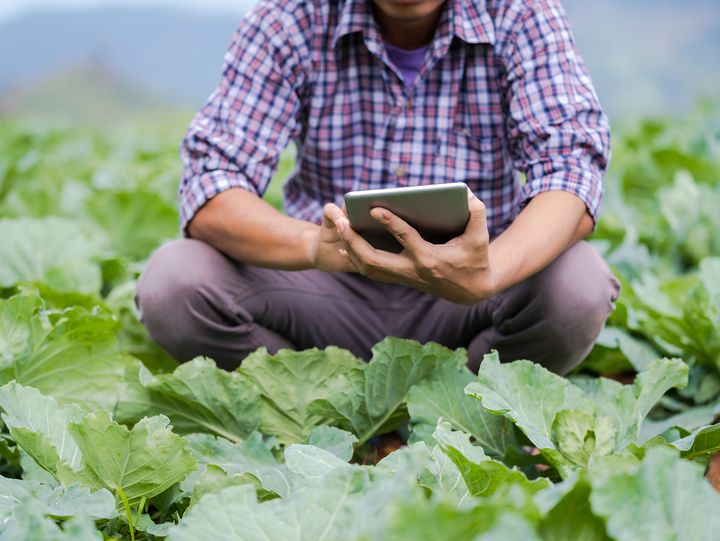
(14, 8)
(645, 56)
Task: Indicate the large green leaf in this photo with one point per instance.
(312, 513)
(332, 439)
(439, 520)
(249, 457)
(371, 399)
(441, 475)
(55, 251)
(703, 441)
(39, 425)
(528, 395)
(57, 502)
(442, 395)
(689, 419)
(311, 462)
(335, 503)
(508, 517)
(30, 524)
(511, 527)
(445, 480)
(213, 479)
(197, 397)
(143, 462)
(628, 405)
(71, 355)
(567, 513)
(572, 422)
(289, 381)
(92, 449)
(483, 476)
(666, 498)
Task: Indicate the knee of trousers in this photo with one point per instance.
(574, 301)
(175, 295)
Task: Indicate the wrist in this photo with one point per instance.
(496, 275)
(505, 264)
(308, 246)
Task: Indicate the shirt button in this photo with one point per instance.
(400, 172)
(408, 104)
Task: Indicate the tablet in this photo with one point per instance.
(438, 211)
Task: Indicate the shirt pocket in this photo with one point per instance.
(469, 158)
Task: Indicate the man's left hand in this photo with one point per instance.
(459, 270)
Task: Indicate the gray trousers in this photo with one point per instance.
(195, 301)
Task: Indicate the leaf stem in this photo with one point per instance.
(128, 511)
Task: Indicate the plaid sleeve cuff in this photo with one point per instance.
(571, 176)
(200, 189)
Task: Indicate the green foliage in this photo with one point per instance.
(91, 449)
(60, 351)
(251, 457)
(142, 462)
(663, 498)
(573, 424)
(442, 394)
(315, 375)
(107, 438)
(54, 251)
(371, 398)
(197, 397)
(59, 502)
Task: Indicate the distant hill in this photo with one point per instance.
(83, 92)
(645, 56)
(171, 54)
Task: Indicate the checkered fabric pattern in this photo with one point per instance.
(502, 89)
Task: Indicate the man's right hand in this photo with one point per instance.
(327, 244)
(248, 229)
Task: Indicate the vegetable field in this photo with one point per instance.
(105, 437)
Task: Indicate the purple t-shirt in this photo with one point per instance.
(408, 62)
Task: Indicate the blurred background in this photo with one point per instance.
(95, 96)
(90, 59)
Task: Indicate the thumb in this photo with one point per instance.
(478, 213)
(477, 224)
(331, 213)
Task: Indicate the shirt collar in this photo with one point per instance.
(472, 23)
(466, 19)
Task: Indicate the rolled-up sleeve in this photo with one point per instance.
(236, 139)
(559, 135)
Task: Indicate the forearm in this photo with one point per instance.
(250, 230)
(547, 226)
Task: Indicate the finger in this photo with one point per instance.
(404, 233)
(352, 259)
(352, 267)
(331, 214)
(477, 224)
(369, 261)
(407, 277)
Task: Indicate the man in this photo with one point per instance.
(384, 93)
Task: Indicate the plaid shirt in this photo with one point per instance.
(502, 89)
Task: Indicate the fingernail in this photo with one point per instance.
(382, 214)
(342, 251)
